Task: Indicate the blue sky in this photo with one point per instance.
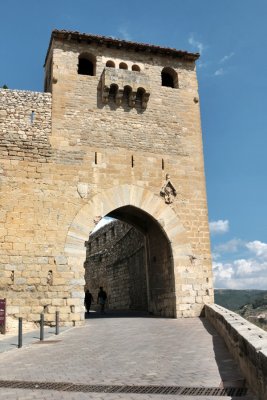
(231, 36)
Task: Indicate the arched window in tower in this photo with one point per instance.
(110, 64)
(123, 65)
(136, 67)
(86, 64)
(169, 77)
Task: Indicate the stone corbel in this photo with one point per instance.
(105, 94)
(132, 99)
(145, 99)
(118, 96)
(119, 83)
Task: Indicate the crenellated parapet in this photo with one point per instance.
(122, 83)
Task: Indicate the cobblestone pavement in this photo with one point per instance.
(124, 351)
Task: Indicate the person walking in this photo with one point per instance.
(88, 299)
(101, 299)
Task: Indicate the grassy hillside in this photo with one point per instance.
(250, 304)
(236, 299)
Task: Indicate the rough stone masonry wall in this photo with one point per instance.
(115, 260)
(25, 125)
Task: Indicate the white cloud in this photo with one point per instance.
(246, 272)
(226, 57)
(231, 246)
(202, 64)
(124, 33)
(219, 226)
(196, 44)
(215, 255)
(241, 274)
(222, 271)
(219, 72)
(258, 248)
(244, 267)
(222, 70)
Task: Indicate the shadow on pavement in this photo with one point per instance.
(230, 373)
(120, 314)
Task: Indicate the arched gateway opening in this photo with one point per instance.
(133, 261)
(166, 247)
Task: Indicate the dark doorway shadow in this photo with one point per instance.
(132, 259)
(120, 314)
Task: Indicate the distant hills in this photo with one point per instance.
(236, 299)
(250, 304)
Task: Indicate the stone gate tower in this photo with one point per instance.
(117, 132)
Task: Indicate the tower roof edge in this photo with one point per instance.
(119, 43)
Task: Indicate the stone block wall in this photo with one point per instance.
(25, 125)
(115, 259)
(246, 342)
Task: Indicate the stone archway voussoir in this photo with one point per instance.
(108, 200)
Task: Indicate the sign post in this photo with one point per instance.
(3, 316)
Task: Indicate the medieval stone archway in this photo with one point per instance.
(133, 261)
(145, 210)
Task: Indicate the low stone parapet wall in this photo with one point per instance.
(246, 342)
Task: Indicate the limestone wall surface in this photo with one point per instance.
(246, 342)
(25, 125)
(115, 260)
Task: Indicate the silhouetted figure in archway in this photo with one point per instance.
(88, 299)
(101, 299)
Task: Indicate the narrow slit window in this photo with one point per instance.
(162, 164)
(95, 157)
(32, 117)
(132, 161)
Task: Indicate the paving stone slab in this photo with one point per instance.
(125, 351)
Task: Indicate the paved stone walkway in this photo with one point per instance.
(124, 351)
(10, 342)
